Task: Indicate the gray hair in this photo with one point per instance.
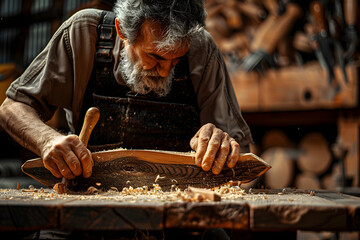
(183, 19)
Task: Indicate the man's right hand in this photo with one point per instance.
(67, 156)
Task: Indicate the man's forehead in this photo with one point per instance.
(152, 32)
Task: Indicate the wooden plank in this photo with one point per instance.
(352, 205)
(295, 88)
(297, 210)
(86, 215)
(224, 214)
(257, 210)
(20, 212)
(20, 216)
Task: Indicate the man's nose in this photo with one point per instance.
(163, 68)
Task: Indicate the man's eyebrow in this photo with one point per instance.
(157, 56)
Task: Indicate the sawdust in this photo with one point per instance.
(152, 193)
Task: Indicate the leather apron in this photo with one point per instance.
(135, 121)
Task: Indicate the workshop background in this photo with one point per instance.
(294, 67)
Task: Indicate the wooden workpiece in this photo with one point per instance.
(252, 210)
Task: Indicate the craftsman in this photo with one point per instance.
(159, 83)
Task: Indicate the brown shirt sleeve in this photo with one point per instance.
(215, 94)
(61, 69)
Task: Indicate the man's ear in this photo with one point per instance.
(118, 30)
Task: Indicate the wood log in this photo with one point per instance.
(316, 156)
(307, 181)
(276, 138)
(282, 172)
(348, 132)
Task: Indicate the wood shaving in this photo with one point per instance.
(92, 190)
(29, 190)
(152, 193)
(158, 177)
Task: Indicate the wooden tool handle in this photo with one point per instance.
(280, 27)
(91, 118)
(318, 12)
(350, 10)
(272, 6)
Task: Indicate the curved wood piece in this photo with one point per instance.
(137, 168)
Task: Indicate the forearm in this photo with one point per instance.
(24, 125)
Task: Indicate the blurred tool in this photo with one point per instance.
(275, 28)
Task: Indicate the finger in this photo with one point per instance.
(194, 142)
(84, 155)
(235, 153)
(222, 155)
(64, 169)
(203, 141)
(51, 166)
(212, 149)
(73, 163)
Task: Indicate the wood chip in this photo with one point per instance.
(205, 194)
(59, 188)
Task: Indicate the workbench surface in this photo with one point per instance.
(254, 210)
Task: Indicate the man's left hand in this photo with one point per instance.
(213, 148)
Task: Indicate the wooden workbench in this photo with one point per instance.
(257, 210)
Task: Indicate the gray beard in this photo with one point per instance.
(143, 81)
